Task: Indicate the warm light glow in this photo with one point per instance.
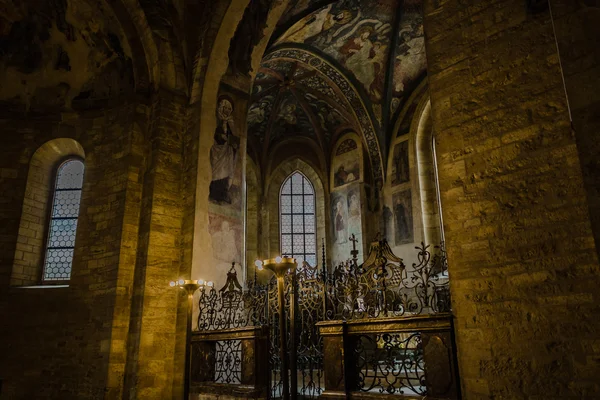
(259, 265)
(209, 284)
(172, 283)
(201, 282)
(181, 281)
(278, 259)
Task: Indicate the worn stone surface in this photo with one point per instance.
(524, 269)
(518, 188)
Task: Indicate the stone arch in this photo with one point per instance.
(207, 78)
(156, 40)
(427, 174)
(367, 125)
(33, 225)
(272, 190)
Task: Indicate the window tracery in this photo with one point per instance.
(62, 229)
(298, 219)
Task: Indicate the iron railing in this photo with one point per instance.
(387, 358)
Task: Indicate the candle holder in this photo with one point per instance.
(190, 286)
(281, 266)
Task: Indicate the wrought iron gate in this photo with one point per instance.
(378, 317)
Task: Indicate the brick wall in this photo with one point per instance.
(523, 265)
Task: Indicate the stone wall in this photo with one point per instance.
(523, 265)
(56, 333)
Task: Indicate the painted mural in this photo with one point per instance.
(410, 58)
(400, 164)
(354, 32)
(67, 54)
(403, 217)
(227, 238)
(224, 187)
(226, 191)
(280, 110)
(346, 217)
(346, 165)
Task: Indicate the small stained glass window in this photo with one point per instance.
(297, 219)
(63, 221)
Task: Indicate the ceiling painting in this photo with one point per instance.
(328, 99)
(61, 55)
(356, 33)
(410, 62)
(290, 119)
(337, 66)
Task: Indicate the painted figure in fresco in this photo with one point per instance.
(225, 244)
(401, 223)
(354, 220)
(377, 58)
(358, 51)
(401, 167)
(343, 176)
(386, 224)
(288, 113)
(340, 224)
(403, 218)
(323, 21)
(223, 153)
(410, 58)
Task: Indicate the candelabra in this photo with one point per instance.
(190, 287)
(281, 266)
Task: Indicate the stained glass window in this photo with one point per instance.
(63, 221)
(297, 219)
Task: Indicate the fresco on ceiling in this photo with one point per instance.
(400, 164)
(346, 165)
(349, 98)
(354, 32)
(290, 119)
(62, 54)
(346, 217)
(410, 58)
(224, 153)
(329, 118)
(403, 217)
(281, 108)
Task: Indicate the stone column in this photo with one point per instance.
(523, 262)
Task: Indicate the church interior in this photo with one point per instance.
(299, 199)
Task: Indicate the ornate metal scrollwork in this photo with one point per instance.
(228, 362)
(390, 364)
(384, 287)
(231, 306)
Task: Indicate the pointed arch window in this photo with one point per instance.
(63, 221)
(298, 219)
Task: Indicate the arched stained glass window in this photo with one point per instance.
(297, 219)
(63, 221)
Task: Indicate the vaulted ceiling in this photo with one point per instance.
(334, 66)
